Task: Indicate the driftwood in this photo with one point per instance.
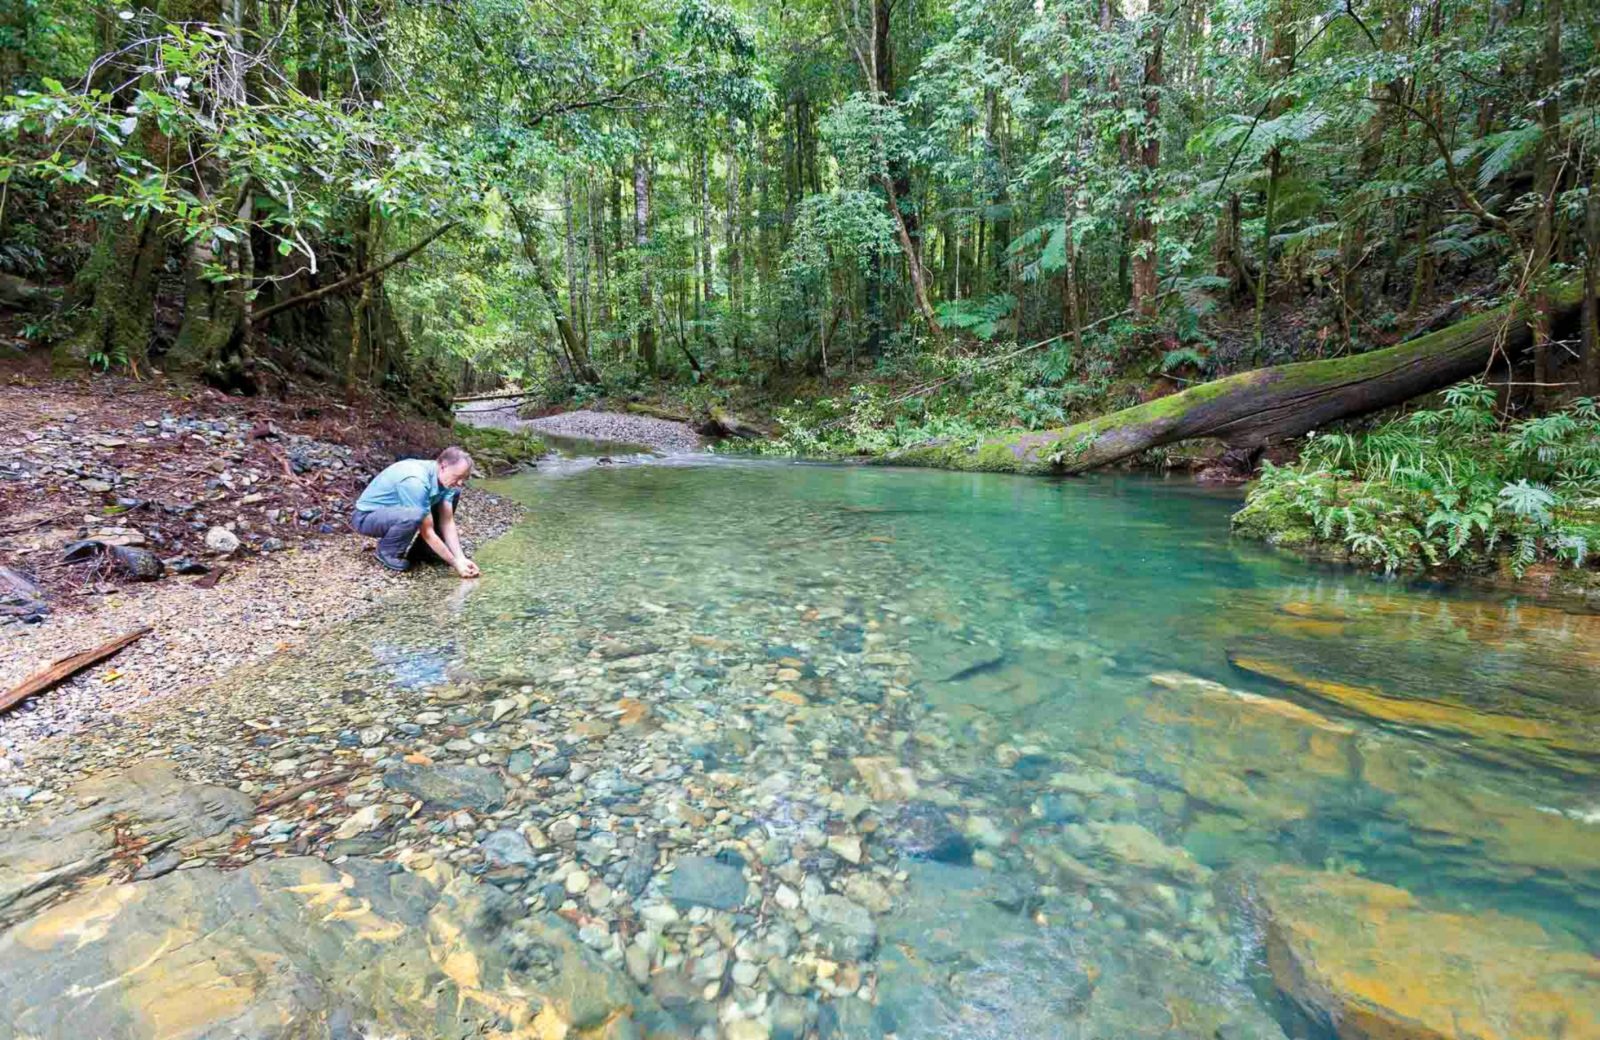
(1251, 410)
(289, 794)
(65, 669)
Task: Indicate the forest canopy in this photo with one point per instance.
(427, 198)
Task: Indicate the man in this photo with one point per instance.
(412, 498)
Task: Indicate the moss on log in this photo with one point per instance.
(1253, 409)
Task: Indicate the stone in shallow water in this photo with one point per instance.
(962, 956)
(704, 881)
(640, 865)
(921, 830)
(507, 848)
(846, 928)
(151, 801)
(1373, 961)
(292, 948)
(449, 786)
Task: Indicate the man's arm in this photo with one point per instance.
(447, 529)
(431, 536)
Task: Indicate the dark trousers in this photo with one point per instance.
(396, 528)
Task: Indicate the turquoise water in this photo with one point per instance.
(1075, 724)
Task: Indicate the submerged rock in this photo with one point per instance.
(704, 881)
(449, 786)
(296, 948)
(921, 830)
(1374, 963)
(148, 801)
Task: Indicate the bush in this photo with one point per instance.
(1454, 486)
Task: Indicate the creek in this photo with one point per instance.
(996, 757)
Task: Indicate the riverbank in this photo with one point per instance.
(216, 522)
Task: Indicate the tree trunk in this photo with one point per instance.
(578, 360)
(730, 229)
(708, 291)
(1591, 295)
(1145, 290)
(1546, 176)
(641, 242)
(597, 238)
(1280, 63)
(1250, 410)
(119, 283)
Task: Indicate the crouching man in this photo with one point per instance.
(410, 508)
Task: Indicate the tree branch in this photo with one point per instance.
(356, 279)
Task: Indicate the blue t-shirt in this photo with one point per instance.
(409, 483)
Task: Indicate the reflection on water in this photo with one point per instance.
(1143, 733)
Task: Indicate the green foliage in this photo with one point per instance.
(983, 318)
(1454, 485)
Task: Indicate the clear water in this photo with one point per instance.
(997, 637)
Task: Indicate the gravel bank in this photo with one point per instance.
(662, 435)
(278, 603)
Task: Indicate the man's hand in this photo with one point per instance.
(467, 569)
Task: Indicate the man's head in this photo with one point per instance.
(455, 466)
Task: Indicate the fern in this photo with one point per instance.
(1452, 483)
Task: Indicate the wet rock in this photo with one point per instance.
(1347, 950)
(885, 778)
(158, 866)
(922, 830)
(869, 892)
(507, 848)
(449, 786)
(1132, 845)
(846, 928)
(553, 767)
(849, 1018)
(846, 846)
(640, 866)
(148, 800)
(704, 881)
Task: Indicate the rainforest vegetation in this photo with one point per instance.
(950, 231)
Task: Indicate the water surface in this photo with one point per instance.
(1051, 665)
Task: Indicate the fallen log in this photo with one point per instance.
(654, 412)
(722, 423)
(65, 669)
(1251, 410)
(498, 395)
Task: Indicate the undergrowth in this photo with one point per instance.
(1453, 486)
(958, 398)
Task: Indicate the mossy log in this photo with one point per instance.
(1251, 410)
(656, 412)
(720, 422)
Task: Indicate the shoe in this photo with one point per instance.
(394, 563)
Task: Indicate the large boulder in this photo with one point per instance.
(1375, 964)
